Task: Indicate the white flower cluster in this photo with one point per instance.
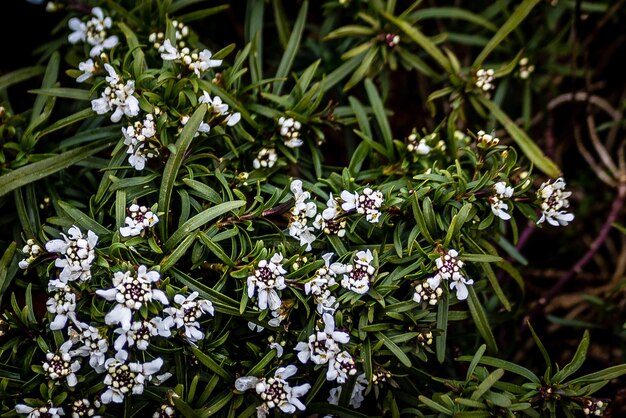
(219, 111)
(188, 313)
(425, 293)
(62, 304)
(301, 212)
(498, 206)
(419, 145)
(140, 218)
(94, 32)
(323, 347)
(76, 254)
(275, 391)
(368, 203)
(486, 139)
(329, 221)
(198, 62)
(449, 269)
(39, 412)
(484, 79)
(357, 278)
(89, 68)
(553, 199)
(91, 344)
(32, 251)
(356, 397)
(181, 31)
(290, 131)
(125, 378)
(266, 158)
(142, 142)
(266, 279)
(117, 97)
(320, 285)
(59, 366)
(84, 408)
(525, 68)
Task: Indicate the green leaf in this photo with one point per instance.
(454, 13)
(487, 383)
(394, 349)
(65, 92)
(292, 48)
(50, 77)
(508, 366)
(606, 374)
(5, 261)
(381, 116)
(82, 220)
(512, 22)
(212, 364)
(170, 259)
(174, 162)
(577, 361)
(434, 405)
(528, 147)
(420, 39)
(66, 121)
(457, 222)
(41, 169)
(219, 402)
(442, 324)
(199, 220)
(477, 356)
(20, 75)
(184, 408)
(540, 346)
(480, 318)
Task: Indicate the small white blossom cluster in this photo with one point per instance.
(62, 304)
(141, 139)
(275, 391)
(553, 200)
(357, 278)
(425, 293)
(198, 62)
(76, 253)
(320, 285)
(84, 408)
(418, 145)
(266, 158)
(218, 112)
(484, 79)
(290, 131)
(181, 31)
(59, 366)
(140, 218)
(187, 315)
(39, 412)
(525, 68)
(301, 212)
(486, 140)
(117, 97)
(323, 347)
(266, 280)
(32, 251)
(329, 220)
(449, 269)
(356, 397)
(94, 32)
(165, 411)
(593, 407)
(391, 39)
(368, 203)
(124, 378)
(498, 206)
(89, 68)
(90, 344)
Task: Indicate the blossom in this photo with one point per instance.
(31, 249)
(486, 140)
(116, 97)
(131, 293)
(62, 304)
(140, 333)
(484, 79)
(59, 365)
(93, 32)
(76, 254)
(449, 268)
(140, 218)
(92, 345)
(322, 345)
(40, 411)
(275, 391)
(341, 367)
(188, 314)
(328, 220)
(319, 285)
(425, 293)
(525, 68)
(356, 397)
(84, 408)
(357, 278)
(123, 378)
(266, 158)
(553, 199)
(266, 280)
(88, 68)
(290, 131)
(498, 207)
(142, 142)
(220, 109)
(301, 211)
(368, 203)
(202, 62)
(170, 53)
(417, 146)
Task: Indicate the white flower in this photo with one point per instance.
(170, 52)
(62, 304)
(290, 131)
(553, 199)
(188, 314)
(202, 62)
(59, 365)
(425, 293)
(32, 250)
(328, 220)
(267, 279)
(276, 391)
(357, 278)
(484, 79)
(341, 367)
(322, 345)
(369, 204)
(449, 268)
(76, 254)
(319, 285)
(138, 335)
(94, 32)
(88, 68)
(116, 97)
(83, 408)
(350, 200)
(123, 378)
(220, 109)
(93, 345)
(131, 293)
(40, 411)
(142, 141)
(418, 147)
(498, 207)
(266, 158)
(298, 224)
(356, 398)
(140, 218)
